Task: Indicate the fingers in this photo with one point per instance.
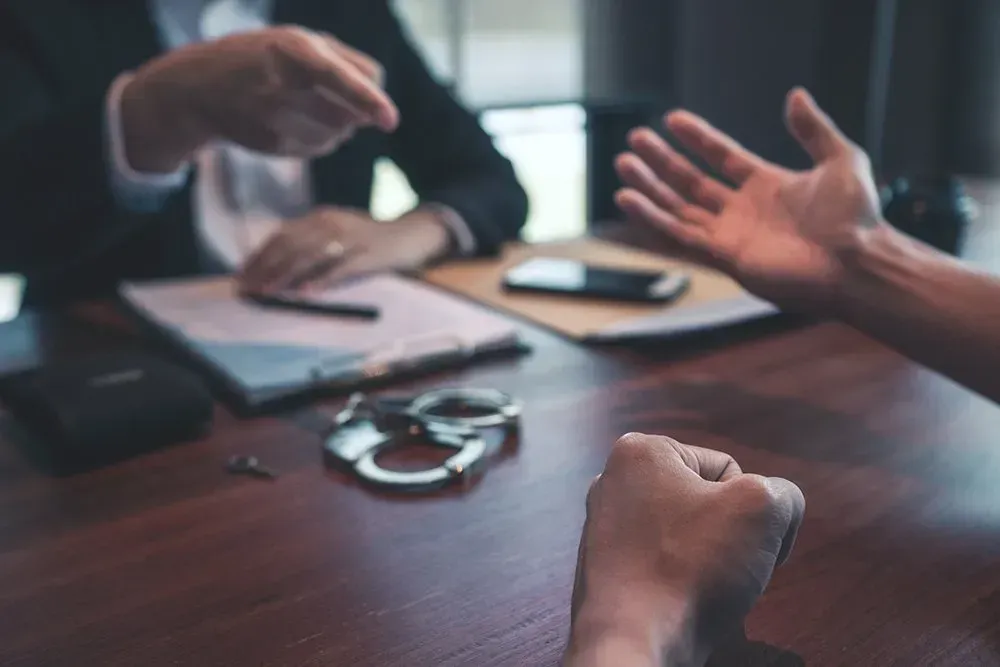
(368, 65)
(332, 117)
(310, 264)
(290, 258)
(262, 271)
(652, 202)
(813, 129)
(718, 150)
(355, 266)
(710, 465)
(791, 504)
(333, 73)
(775, 505)
(302, 135)
(694, 238)
(646, 451)
(677, 172)
(638, 175)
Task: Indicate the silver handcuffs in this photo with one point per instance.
(366, 427)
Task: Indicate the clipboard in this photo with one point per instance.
(713, 300)
(264, 358)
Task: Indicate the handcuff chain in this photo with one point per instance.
(361, 429)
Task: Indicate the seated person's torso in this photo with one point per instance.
(232, 198)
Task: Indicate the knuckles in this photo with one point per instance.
(286, 43)
(860, 160)
(752, 495)
(633, 452)
(288, 35)
(632, 449)
(378, 71)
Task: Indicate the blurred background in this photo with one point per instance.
(559, 83)
(520, 63)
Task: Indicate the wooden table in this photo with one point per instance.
(166, 560)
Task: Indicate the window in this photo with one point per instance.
(521, 51)
(525, 55)
(548, 148)
(432, 25)
(502, 52)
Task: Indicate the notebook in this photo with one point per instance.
(712, 301)
(267, 355)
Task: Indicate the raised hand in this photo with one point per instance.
(281, 91)
(678, 545)
(783, 234)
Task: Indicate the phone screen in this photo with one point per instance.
(572, 277)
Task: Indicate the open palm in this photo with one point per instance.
(781, 233)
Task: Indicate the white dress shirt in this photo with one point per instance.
(241, 197)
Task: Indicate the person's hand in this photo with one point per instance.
(281, 91)
(331, 244)
(784, 235)
(677, 547)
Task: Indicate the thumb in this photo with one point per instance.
(791, 505)
(368, 65)
(812, 128)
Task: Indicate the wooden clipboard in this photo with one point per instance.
(588, 319)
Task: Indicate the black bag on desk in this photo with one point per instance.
(934, 211)
(96, 411)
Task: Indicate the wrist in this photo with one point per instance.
(635, 633)
(436, 237)
(160, 132)
(613, 649)
(875, 266)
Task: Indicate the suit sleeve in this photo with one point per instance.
(58, 209)
(134, 190)
(446, 155)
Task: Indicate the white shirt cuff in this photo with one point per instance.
(465, 240)
(132, 189)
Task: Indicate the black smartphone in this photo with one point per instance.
(575, 278)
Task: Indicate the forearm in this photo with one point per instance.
(928, 306)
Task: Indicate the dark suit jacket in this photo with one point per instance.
(59, 224)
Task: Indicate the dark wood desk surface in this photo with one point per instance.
(166, 560)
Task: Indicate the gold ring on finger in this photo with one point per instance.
(335, 249)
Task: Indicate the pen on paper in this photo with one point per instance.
(355, 310)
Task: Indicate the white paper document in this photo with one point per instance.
(263, 348)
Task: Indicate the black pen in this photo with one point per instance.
(358, 310)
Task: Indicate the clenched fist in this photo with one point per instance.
(280, 91)
(678, 545)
